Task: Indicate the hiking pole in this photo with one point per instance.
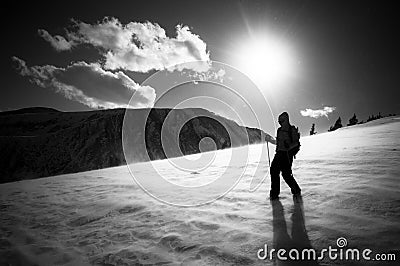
(269, 160)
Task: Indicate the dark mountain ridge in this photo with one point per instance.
(30, 110)
(41, 142)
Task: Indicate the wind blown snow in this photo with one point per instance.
(349, 180)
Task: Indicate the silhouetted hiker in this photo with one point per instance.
(287, 141)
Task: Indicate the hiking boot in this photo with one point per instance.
(296, 192)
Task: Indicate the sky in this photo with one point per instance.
(317, 60)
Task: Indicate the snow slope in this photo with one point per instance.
(350, 188)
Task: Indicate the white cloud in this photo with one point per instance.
(318, 113)
(137, 47)
(89, 84)
(211, 74)
(141, 47)
(58, 42)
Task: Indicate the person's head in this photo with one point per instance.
(283, 118)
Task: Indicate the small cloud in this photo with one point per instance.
(89, 84)
(210, 75)
(318, 113)
(58, 42)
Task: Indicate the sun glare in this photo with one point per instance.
(266, 61)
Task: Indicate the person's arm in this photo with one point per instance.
(270, 139)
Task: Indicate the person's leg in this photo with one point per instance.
(275, 180)
(288, 176)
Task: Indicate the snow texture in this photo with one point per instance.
(350, 185)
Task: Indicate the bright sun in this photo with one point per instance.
(265, 61)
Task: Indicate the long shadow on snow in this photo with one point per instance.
(299, 239)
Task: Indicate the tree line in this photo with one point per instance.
(352, 121)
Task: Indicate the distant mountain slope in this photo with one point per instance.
(43, 143)
(30, 110)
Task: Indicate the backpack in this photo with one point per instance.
(294, 136)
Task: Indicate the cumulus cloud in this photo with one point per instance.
(137, 47)
(318, 113)
(58, 42)
(89, 84)
(141, 47)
